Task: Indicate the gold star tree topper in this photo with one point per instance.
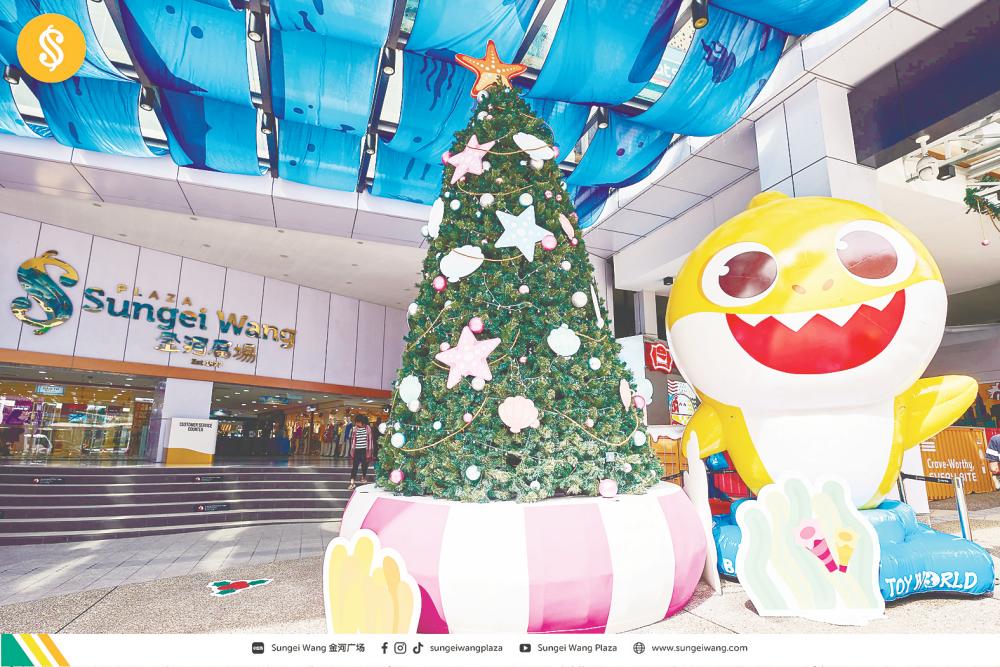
(489, 70)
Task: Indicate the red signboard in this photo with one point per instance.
(658, 357)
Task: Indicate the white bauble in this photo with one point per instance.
(639, 438)
(436, 426)
(382, 427)
(455, 204)
(525, 199)
(537, 164)
(461, 262)
(535, 485)
(397, 440)
(412, 309)
(473, 473)
(424, 231)
(486, 200)
(478, 384)
(565, 265)
(413, 406)
(409, 388)
(579, 299)
(481, 115)
(595, 363)
(486, 165)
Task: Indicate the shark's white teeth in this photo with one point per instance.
(840, 316)
(753, 319)
(794, 321)
(881, 302)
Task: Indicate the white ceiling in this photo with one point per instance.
(379, 272)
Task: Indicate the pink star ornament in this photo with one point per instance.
(468, 357)
(470, 160)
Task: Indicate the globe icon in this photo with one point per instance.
(638, 647)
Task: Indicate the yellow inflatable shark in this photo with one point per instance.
(804, 325)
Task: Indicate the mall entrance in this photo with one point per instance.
(260, 423)
(66, 415)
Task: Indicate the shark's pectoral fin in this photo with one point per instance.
(932, 405)
(706, 427)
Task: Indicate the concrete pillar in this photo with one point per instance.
(805, 147)
(174, 399)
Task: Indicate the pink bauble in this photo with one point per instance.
(445, 347)
(396, 476)
(639, 401)
(499, 179)
(523, 360)
(549, 242)
(476, 325)
(445, 156)
(467, 417)
(523, 289)
(548, 194)
(573, 242)
(558, 197)
(608, 488)
(439, 283)
(589, 422)
(555, 149)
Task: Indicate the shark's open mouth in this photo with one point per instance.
(823, 341)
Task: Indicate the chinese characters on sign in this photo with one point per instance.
(658, 357)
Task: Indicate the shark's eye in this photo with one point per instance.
(740, 274)
(874, 253)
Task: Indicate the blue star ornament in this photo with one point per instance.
(521, 232)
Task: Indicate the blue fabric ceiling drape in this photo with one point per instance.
(436, 104)
(619, 152)
(196, 52)
(95, 114)
(605, 51)
(11, 121)
(727, 65)
(796, 17)
(97, 109)
(324, 68)
(566, 121)
(443, 28)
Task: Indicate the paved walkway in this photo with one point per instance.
(37, 571)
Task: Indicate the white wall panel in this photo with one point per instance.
(311, 322)
(371, 334)
(203, 284)
(342, 341)
(158, 272)
(280, 305)
(243, 296)
(392, 346)
(20, 240)
(101, 336)
(73, 247)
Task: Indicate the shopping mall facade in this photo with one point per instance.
(105, 343)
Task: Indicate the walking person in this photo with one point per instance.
(362, 446)
(993, 459)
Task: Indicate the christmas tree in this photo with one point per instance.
(510, 387)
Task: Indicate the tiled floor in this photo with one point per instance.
(43, 570)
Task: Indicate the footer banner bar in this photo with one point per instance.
(43, 650)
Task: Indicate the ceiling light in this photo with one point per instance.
(147, 98)
(602, 118)
(946, 173)
(699, 13)
(255, 31)
(266, 123)
(388, 60)
(12, 75)
(370, 143)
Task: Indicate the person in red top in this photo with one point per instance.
(362, 448)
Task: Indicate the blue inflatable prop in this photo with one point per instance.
(915, 557)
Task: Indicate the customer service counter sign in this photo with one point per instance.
(191, 441)
(68, 293)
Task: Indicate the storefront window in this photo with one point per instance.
(72, 416)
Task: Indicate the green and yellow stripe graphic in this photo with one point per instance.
(30, 651)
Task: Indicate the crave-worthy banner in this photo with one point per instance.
(69, 293)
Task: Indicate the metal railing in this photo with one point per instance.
(960, 504)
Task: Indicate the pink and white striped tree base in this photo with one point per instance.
(588, 565)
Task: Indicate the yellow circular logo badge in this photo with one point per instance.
(51, 48)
